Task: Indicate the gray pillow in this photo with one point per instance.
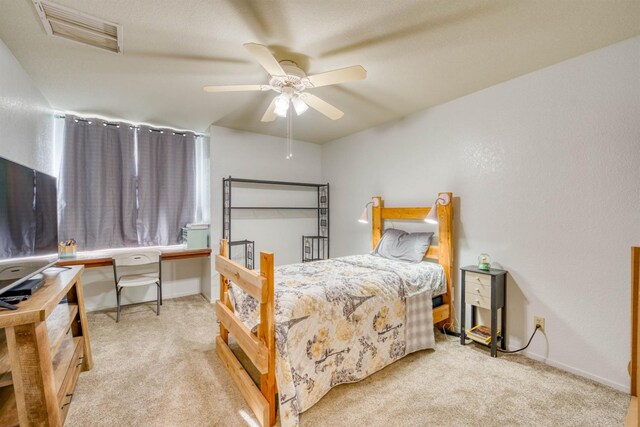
(403, 246)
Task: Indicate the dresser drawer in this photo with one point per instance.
(477, 278)
(478, 300)
(65, 394)
(478, 289)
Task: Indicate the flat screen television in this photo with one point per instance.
(28, 224)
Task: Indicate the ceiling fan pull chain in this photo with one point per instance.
(289, 144)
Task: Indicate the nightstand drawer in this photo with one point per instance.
(478, 289)
(475, 278)
(478, 300)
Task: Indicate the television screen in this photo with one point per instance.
(28, 212)
(46, 215)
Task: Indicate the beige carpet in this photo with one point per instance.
(163, 371)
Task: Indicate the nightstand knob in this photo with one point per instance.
(478, 279)
(478, 290)
(477, 301)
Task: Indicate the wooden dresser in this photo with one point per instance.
(44, 345)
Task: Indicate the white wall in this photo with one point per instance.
(249, 155)
(546, 171)
(26, 123)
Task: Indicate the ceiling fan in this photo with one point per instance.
(291, 83)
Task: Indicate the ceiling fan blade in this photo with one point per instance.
(183, 56)
(264, 56)
(270, 114)
(236, 88)
(322, 106)
(356, 72)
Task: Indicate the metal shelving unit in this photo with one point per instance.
(313, 247)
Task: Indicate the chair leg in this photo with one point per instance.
(118, 304)
(159, 291)
(160, 285)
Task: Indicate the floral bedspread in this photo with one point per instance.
(339, 321)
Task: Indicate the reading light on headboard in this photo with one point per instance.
(364, 218)
(432, 217)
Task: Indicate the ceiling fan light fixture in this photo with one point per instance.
(299, 105)
(282, 105)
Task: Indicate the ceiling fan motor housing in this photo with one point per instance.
(295, 79)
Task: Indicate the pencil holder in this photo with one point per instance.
(66, 251)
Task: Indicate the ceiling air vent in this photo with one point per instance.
(73, 25)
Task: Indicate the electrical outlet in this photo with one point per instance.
(539, 321)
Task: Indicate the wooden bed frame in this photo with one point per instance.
(442, 252)
(260, 348)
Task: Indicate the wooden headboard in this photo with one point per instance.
(442, 252)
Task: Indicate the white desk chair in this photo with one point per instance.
(138, 269)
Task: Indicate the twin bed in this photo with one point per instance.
(310, 327)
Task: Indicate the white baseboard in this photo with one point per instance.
(625, 388)
(165, 297)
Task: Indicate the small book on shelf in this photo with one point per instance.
(481, 334)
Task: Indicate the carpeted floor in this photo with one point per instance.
(164, 371)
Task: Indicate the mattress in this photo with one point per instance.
(340, 320)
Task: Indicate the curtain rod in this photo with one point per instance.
(132, 126)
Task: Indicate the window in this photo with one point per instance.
(124, 185)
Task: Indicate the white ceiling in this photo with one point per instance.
(418, 53)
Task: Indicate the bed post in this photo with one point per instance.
(224, 286)
(634, 365)
(633, 419)
(445, 257)
(267, 333)
(376, 220)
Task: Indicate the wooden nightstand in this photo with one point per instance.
(484, 289)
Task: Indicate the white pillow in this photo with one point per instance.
(403, 246)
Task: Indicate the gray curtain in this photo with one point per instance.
(166, 184)
(97, 184)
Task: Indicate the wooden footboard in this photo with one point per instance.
(259, 349)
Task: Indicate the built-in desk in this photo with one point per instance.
(102, 258)
(186, 274)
